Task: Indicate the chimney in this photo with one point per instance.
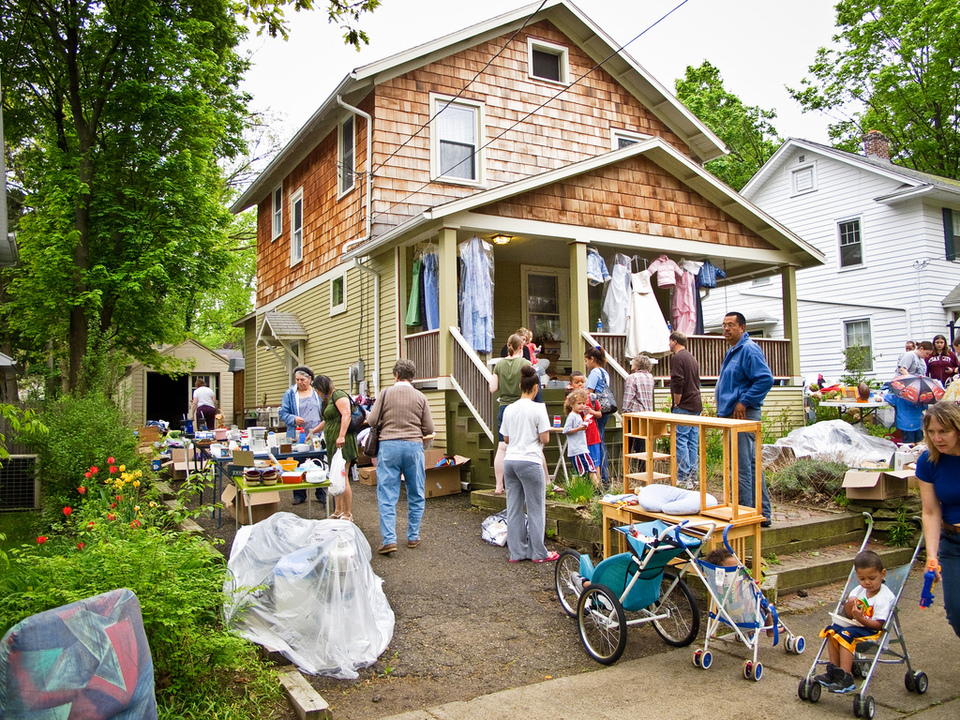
(876, 146)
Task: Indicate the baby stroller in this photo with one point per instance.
(738, 604)
(871, 651)
(637, 581)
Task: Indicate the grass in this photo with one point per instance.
(19, 528)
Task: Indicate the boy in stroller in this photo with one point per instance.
(867, 608)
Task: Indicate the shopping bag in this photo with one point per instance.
(338, 474)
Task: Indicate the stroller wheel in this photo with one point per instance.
(815, 689)
(920, 682)
(803, 690)
(799, 645)
(696, 657)
(602, 624)
(681, 627)
(757, 672)
(567, 581)
(864, 707)
(747, 669)
(910, 681)
(788, 644)
(706, 660)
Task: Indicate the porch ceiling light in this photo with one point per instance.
(501, 239)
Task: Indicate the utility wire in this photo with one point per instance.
(540, 106)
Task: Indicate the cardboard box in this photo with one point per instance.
(443, 480)
(368, 475)
(262, 504)
(874, 485)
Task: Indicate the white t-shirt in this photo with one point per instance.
(523, 421)
(576, 441)
(880, 605)
(205, 396)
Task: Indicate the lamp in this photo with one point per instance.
(501, 239)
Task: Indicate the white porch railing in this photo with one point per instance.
(471, 379)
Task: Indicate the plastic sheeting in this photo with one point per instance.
(305, 589)
(832, 440)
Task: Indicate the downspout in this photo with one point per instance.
(368, 223)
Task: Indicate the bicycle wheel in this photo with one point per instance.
(602, 623)
(681, 627)
(567, 581)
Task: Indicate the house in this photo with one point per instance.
(492, 158)
(150, 395)
(890, 236)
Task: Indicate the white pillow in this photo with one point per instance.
(672, 500)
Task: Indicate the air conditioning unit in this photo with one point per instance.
(19, 484)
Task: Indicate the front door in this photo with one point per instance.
(547, 311)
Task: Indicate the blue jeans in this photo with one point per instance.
(602, 427)
(746, 449)
(525, 484)
(949, 557)
(688, 448)
(911, 436)
(396, 458)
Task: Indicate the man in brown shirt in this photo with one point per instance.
(685, 399)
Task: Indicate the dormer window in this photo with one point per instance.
(547, 61)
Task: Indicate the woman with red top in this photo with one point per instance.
(943, 364)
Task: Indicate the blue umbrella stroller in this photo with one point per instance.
(637, 581)
(875, 650)
(738, 604)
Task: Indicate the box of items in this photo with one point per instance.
(262, 505)
(367, 475)
(445, 478)
(876, 485)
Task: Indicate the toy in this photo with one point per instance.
(929, 580)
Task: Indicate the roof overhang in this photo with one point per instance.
(703, 143)
(467, 215)
(952, 300)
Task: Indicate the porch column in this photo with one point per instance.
(579, 303)
(791, 323)
(448, 289)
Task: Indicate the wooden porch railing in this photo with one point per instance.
(472, 381)
(707, 349)
(424, 349)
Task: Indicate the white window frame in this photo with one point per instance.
(343, 189)
(340, 277)
(850, 321)
(863, 259)
(296, 233)
(559, 51)
(616, 134)
(437, 102)
(795, 174)
(277, 215)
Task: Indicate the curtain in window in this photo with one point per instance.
(476, 294)
(457, 128)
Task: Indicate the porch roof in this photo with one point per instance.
(786, 248)
(282, 327)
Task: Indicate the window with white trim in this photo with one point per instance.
(338, 293)
(951, 233)
(851, 246)
(277, 212)
(857, 332)
(546, 61)
(296, 227)
(803, 179)
(345, 160)
(623, 138)
(455, 140)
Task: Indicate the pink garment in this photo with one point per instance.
(667, 271)
(683, 307)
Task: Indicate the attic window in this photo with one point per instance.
(547, 61)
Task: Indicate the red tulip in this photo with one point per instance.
(88, 474)
(94, 470)
(113, 468)
(90, 525)
(110, 461)
(41, 540)
(80, 546)
(111, 516)
(81, 489)
(112, 505)
(135, 524)
(67, 511)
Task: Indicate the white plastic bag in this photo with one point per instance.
(338, 474)
(494, 529)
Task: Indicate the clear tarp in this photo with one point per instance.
(305, 589)
(832, 440)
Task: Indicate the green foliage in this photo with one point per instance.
(746, 130)
(268, 14)
(893, 69)
(903, 532)
(857, 360)
(20, 421)
(580, 490)
(84, 430)
(807, 478)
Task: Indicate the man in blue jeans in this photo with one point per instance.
(685, 396)
(744, 381)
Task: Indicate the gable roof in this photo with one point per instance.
(569, 19)
(913, 182)
(797, 251)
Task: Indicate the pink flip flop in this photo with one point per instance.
(551, 557)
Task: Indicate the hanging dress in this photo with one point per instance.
(683, 307)
(617, 297)
(413, 307)
(431, 291)
(646, 329)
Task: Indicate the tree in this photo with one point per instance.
(746, 130)
(116, 116)
(268, 14)
(895, 70)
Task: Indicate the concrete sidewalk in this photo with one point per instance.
(669, 686)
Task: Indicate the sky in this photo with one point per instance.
(759, 46)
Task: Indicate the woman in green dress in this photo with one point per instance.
(335, 424)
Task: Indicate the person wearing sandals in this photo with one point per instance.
(300, 407)
(526, 429)
(335, 425)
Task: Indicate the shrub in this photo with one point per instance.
(83, 431)
(808, 478)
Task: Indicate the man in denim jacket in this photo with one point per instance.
(744, 381)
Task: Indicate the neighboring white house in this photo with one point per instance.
(890, 236)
